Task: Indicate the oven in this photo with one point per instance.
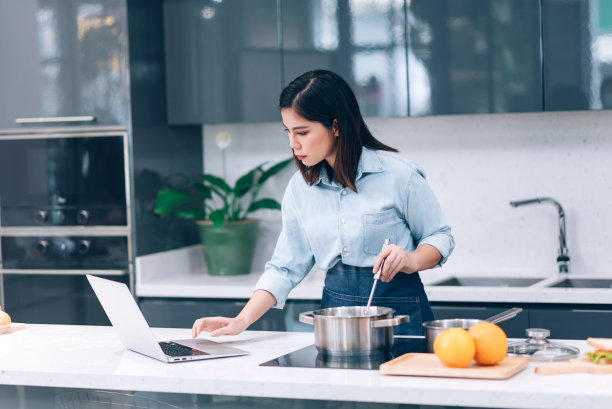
(64, 213)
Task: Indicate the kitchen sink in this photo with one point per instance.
(583, 283)
(488, 282)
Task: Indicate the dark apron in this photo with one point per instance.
(350, 286)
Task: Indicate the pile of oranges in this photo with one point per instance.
(485, 343)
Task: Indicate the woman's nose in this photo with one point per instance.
(293, 143)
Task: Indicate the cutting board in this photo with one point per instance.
(415, 364)
(12, 327)
(574, 365)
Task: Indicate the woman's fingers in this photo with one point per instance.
(208, 324)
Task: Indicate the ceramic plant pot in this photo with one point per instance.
(229, 249)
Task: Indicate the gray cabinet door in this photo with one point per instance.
(222, 61)
(474, 56)
(514, 327)
(63, 59)
(177, 313)
(364, 42)
(576, 41)
(577, 323)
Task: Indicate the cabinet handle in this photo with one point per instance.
(43, 120)
(590, 311)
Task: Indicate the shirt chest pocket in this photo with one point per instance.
(379, 226)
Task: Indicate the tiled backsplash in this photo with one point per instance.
(476, 164)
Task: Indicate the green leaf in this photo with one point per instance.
(202, 189)
(217, 182)
(217, 217)
(190, 213)
(264, 204)
(168, 199)
(274, 170)
(245, 182)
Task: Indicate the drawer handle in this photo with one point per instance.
(54, 119)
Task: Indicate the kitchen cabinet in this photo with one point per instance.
(222, 61)
(567, 322)
(576, 39)
(364, 42)
(468, 56)
(173, 313)
(514, 327)
(63, 59)
(53, 299)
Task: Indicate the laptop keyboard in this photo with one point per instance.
(174, 349)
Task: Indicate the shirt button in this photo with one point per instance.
(345, 249)
(343, 220)
(343, 192)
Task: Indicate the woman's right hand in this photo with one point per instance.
(218, 326)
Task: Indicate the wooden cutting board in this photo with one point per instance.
(414, 364)
(574, 365)
(12, 327)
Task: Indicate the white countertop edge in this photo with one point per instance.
(407, 390)
(311, 290)
(93, 358)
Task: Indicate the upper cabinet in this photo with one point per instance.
(227, 61)
(363, 41)
(577, 54)
(223, 61)
(63, 59)
(474, 56)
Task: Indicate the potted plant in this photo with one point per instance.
(221, 211)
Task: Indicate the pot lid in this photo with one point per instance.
(540, 349)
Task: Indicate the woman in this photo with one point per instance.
(350, 194)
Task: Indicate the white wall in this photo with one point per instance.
(476, 164)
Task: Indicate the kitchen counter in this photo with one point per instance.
(93, 358)
(181, 274)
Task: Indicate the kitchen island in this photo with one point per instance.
(45, 361)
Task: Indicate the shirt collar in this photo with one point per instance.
(369, 162)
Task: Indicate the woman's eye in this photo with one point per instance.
(302, 133)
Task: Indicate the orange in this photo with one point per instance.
(491, 343)
(454, 347)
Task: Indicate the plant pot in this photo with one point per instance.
(229, 249)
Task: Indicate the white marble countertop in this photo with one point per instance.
(181, 274)
(94, 358)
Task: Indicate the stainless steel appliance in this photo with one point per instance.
(64, 211)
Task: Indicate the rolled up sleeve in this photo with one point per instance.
(425, 217)
(292, 258)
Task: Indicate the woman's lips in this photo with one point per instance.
(300, 157)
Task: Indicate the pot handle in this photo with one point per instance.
(307, 317)
(391, 322)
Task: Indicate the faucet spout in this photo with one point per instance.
(563, 256)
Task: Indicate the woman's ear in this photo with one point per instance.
(335, 127)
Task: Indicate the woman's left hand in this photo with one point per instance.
(396, 259)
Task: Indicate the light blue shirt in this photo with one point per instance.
(326, 223)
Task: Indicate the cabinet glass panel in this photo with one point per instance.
(62, 59)
(577, 49)
(364, 41)
(474, 56)
(222, 61)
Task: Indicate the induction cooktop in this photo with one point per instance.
(310, 357)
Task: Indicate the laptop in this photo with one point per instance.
(136, 335)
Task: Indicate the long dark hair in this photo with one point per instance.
(323, 96)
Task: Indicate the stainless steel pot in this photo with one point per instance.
(434, 328)
(353, 330)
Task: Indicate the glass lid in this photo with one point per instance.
(540, 349)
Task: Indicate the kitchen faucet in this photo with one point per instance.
(563, 257)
